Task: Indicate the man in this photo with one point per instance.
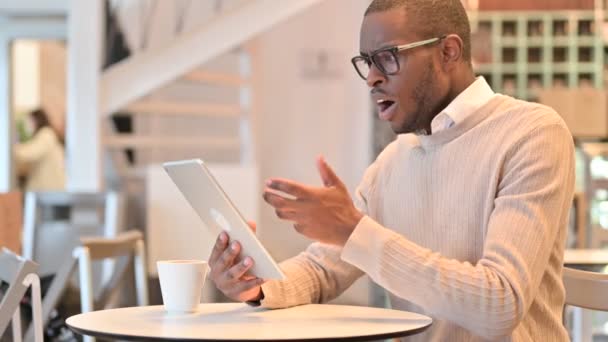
(462, 218)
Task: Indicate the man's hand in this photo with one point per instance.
(326, 214)
(229, 275)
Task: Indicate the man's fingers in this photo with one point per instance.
(284, 214)
(324, 172)
(252, 225)
(219, 247)
(276, 200)
(226, 260)
(237, 271)
(328, 175)
(289, 187)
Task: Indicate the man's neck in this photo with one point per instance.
(461, 83)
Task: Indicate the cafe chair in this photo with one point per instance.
(54, 222)
(124, 247)
(585, 290)
(20, 274)
(129, 244)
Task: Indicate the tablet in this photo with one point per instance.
(217, 212)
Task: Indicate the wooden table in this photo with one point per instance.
(239, 322)
(585, 257)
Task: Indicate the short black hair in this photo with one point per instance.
(432, 18)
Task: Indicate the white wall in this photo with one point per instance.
(26, 75)
(29, 7)
(301, 112)
(83, 131)
(6, 122)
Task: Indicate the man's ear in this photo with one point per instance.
(452, 48)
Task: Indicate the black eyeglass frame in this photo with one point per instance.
(393, 50)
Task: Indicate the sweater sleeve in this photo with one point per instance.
(35, 148)
(490, 297)
(318, 274)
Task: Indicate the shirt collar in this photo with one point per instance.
(472, 98)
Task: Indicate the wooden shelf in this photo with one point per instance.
(563, 47)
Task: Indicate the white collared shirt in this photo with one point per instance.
(467, 102)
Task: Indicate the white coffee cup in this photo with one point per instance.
(181, 283)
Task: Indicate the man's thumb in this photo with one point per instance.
(327, 174)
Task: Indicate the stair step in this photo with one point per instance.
(131, 141)
(141, 73)
(181, 108)
(222, 79)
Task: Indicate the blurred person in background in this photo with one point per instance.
(41, 158)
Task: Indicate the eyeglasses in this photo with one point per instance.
(385, 59)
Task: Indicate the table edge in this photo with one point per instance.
(344, 339)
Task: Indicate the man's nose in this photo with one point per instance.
(375, 77)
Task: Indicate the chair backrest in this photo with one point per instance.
(49, 236)
(61, 234)
(121, 245)
(19, 273)
(128, 244)
(11, 225)
(585, 289)
(90, 249)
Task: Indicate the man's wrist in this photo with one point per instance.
(257, 300)
(357, 217)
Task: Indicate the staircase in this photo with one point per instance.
(183, 92)
(186, 85)
(204, 113)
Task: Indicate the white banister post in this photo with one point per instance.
(6, 121)
(83, 131)
(245, 126)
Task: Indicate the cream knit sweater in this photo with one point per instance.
(467, 226)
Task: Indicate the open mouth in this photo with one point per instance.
(385, 108)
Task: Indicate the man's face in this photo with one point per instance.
(411, 98)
